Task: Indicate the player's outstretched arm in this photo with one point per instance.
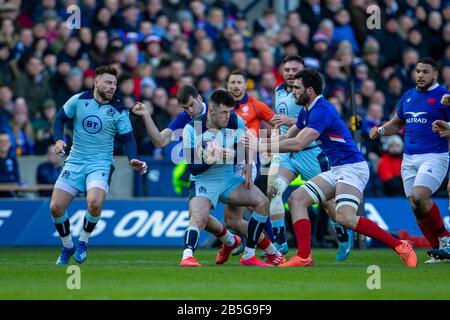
(389, 128)
(139, 165)
(159, 139)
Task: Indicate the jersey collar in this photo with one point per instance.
(434, 86)
(205, 109)
(313, 103)
(244, 99)
(116, 101)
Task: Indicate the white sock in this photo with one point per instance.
(228, 239)
(67, 241)
(187, 253)
(84, 236)
(248, 253)
(272, 250)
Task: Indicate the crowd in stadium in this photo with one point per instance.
(160, 45)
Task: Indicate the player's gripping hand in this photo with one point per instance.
(212, 153)
(60, 147)
(441, 127)
(445, 100)
(139, 165)
(140, 109)
(281, 119)
(374, 133)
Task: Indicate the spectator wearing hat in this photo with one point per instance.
(153, 52)
(8, 10)
(389, 167)
(371, 57)
(320, 45)
(7, 33)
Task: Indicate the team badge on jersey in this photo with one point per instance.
(202, 189)
(65, 174)
(282, 108)
(110, 112)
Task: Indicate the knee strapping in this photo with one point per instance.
(314, 192)
(279, 185)
(347, 200)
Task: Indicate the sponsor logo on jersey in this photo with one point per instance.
(415, 117)
(92, 124)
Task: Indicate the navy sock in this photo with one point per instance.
(191, 236)
(62, 225)
(254, 228)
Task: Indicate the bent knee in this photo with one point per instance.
(57, 208)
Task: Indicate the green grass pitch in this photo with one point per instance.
(148, 273)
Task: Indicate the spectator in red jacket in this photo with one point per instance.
(389, 167)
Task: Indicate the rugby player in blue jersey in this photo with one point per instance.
(98, 116)
(345, 181)
(422, 114)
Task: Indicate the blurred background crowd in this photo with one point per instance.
(159, 45)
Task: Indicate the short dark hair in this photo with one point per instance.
(236, 72)
(294, 57)
(185, 92)
(106, 69)
(221, 96)
(428, 60)
(311, 78)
